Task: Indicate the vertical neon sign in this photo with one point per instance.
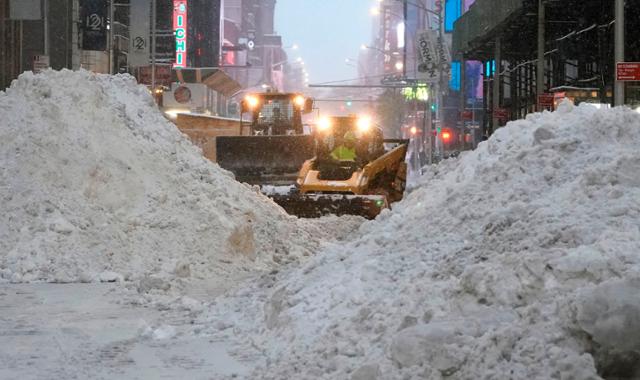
(180, 30)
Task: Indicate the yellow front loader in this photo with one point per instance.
(364, 186)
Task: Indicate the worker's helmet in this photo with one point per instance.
(350, 137)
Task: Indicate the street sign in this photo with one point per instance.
(546, 102)
(40, 63)
(628, 71)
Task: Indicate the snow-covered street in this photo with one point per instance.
(87, 331)
(125, 254)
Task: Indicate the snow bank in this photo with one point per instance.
(95, 185)
(519, 260)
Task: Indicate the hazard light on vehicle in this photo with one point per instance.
(299, 101)
(364, 124)
(252, 101)
(324, 124)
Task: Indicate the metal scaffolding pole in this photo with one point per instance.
(45, 17)
(541, 43)
(153, 47)
(111, 65)
(463, 95)
(496, 84)
(619, 51)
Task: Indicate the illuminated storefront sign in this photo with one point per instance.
(180, 29)
(421, 93)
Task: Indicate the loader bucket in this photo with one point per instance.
(264, 160)
(317, 205)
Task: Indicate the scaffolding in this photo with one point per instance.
(577, 51)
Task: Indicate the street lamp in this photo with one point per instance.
(365, 47)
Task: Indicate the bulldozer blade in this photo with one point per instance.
(317, 205)
(259, 160)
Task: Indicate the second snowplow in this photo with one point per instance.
(356, 177)
(275, 146)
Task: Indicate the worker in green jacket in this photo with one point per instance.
(347, 150)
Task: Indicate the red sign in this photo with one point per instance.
(628, 71)
(501, 113)
(163, 75)
(546, 102)
(467, 115)
(180, 30)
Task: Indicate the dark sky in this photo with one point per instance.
(327, 31)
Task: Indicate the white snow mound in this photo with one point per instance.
(519, 260)
(95, 185)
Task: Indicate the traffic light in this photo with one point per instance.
(447, 136)
(348, 101)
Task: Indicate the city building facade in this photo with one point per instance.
(253, 53)
(535, 53)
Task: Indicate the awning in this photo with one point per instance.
(481, 22)
(212, 77)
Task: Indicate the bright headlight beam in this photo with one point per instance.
(324, 124)
(252, 101)
(364, 124)
(299, 101)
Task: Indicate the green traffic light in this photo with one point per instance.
(349, 104)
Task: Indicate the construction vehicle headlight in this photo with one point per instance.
(324, 125)
(252, 101)
(299, 101)
(364, 124)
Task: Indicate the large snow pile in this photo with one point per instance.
(519, 260)
(96, 185)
